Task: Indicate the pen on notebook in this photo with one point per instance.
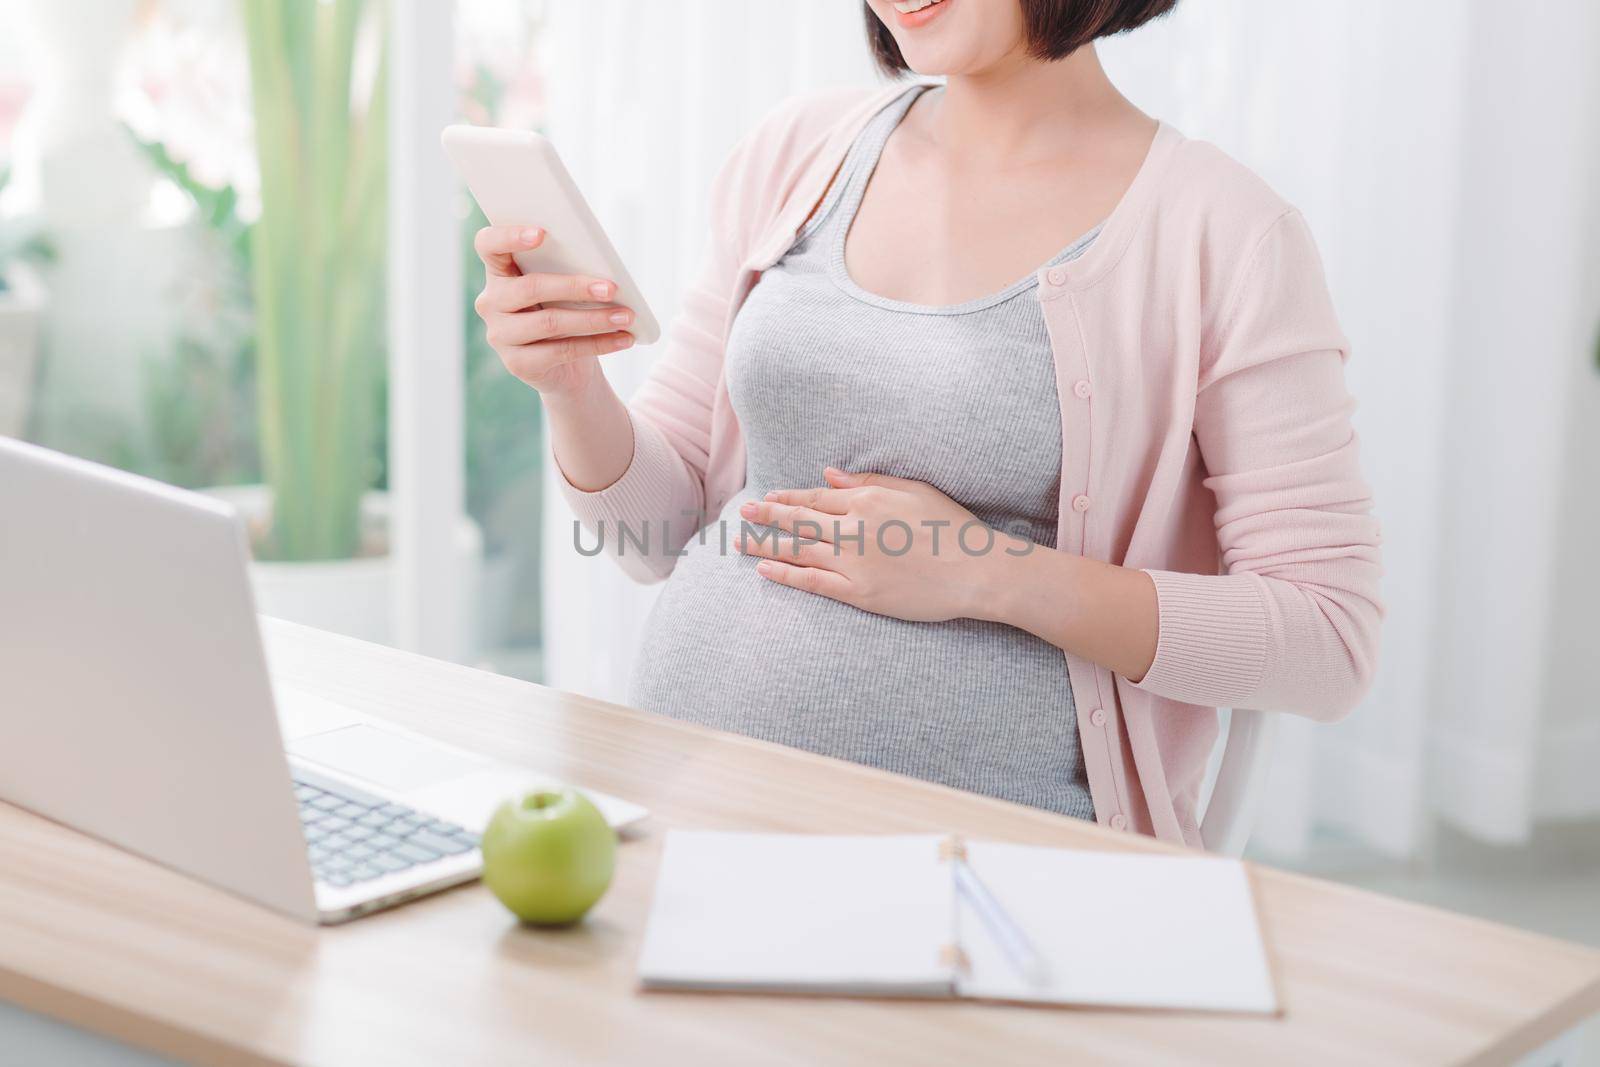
(1013, 942)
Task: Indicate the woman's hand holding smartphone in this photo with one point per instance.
(556, 350)
(541, 291)
(552, 348)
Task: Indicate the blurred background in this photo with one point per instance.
(184, 295)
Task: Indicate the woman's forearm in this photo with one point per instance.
(1101, 612)
(590, 434)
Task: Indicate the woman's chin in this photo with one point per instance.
(935, 63)
(946, 57)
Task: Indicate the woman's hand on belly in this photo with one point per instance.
(887, 545)
(903, 549)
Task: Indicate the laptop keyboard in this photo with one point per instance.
(355, 837)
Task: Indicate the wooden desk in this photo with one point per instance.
(114, 944)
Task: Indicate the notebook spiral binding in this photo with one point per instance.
(953, 955)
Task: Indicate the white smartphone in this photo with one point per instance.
(518, 180)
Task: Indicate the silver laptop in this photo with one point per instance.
(135, 705)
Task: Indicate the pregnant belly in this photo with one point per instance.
(975, 705)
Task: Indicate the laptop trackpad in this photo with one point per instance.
(386, 759)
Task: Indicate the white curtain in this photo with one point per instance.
(1447, 155)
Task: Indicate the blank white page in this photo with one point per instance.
(800, 913)
(1120, 929)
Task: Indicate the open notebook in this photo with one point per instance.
(882, 916)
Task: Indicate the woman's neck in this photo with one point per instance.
(1022, 110)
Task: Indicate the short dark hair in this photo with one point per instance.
(1054, 28)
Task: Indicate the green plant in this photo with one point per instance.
(200, 402)
(318, 279)
(199, 419)
(21, 240)
(199, 397)
(216, 207)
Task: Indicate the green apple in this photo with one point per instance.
(548, 855)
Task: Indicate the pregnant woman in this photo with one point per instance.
(1002, 441)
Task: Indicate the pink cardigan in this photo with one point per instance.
(1206, 439)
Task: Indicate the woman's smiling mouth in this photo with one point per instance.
(913, 13)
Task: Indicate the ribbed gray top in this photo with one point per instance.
(963, 397)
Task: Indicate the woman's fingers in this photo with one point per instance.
(532, 361)
(519, 293)
(808, 579)
(533, 337)
(845, 492)
(802, 551)
(551, 323)
(858, 480)
(800, 521)
(496, 244)
(831, 501)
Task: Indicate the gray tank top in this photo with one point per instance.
(822, 372)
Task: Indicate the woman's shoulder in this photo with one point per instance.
(1224, 199)
(801, 134)
(1215, 216)
(1252, 251)
(814, 114)
(803, 127)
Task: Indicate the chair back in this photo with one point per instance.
(1241, 778)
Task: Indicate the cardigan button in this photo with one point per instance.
(1081, 389)
(1097, 718)
(1119, 821)
(1056, 276)
(1080, 503)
